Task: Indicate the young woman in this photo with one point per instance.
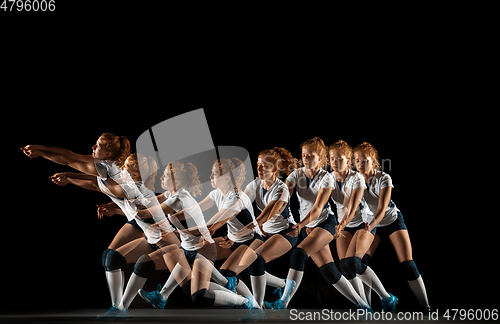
(387, 217)
(234, 209)
(317, 225)
(198, 250)
(128, 192)
(352, 243)
(271, 196)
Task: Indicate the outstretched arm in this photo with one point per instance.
(80, 162)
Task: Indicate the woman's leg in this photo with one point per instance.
(144, 265)
(367, 260)
(402, 245)
(324, 260)
(126, 234)
(346, 249)
(314, 242)
(272, 249)
(363, 240)
(115, 259)
(115, 277)
(204, 293)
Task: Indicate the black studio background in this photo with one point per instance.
(61, 237)
(418, 105)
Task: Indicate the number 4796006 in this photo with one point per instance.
(471, 314)
(28, 5)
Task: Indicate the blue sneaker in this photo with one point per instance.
(389, 303)
(248, 304)
(278, 304)
(280, 292)
(154, 297)
(231, 284)
(113, 313)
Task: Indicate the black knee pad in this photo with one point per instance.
(200, 298)
(410, 270)
(114, 261)
(227, 273)
(104, 256)
(144, 266)
(347, 268)
(359, 265)
(257, 267)
(186, 289)
(330, 272)
(298, 259)
(367, 259)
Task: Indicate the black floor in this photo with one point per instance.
(216, 315)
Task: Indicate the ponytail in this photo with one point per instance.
(124, 150)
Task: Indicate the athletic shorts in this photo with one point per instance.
(247, 242)
(133, 222)
(328, 224)
(353, 230)
(292, 240)
(209, 251)
(398, 224)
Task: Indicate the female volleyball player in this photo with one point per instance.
(317, 225)
(352, 243)
(271, 196)
(199, 250)
(387, 219)
(128, 192)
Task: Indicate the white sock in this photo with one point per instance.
(259, 288)
(224, 297)
(218, 277)
(368, 293)
(346, 289)
(168, 287)
(133, 285)
(292, 284)
(370, 278)
(358, 286)
(242, 290)
(418, 288)
(178, 274)
(115, 284)
(274, 281)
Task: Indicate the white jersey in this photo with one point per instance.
(137, 194)
(307, 191)
(242, 204)
(380, 181)
(341, 194)
(194, 220)
(107, 169)
(262, 197)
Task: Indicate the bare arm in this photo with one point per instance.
(352, 205)
(321, 199)
(383, 202)
(80, 162)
